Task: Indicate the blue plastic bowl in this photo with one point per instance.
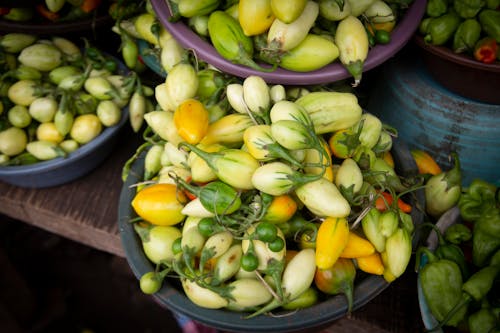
(172, 297)
(62, 170)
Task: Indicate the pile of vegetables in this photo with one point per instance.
(50, 10)
(470, 27)
(269, 196)
(460, 281)
(298, 35)
(56, 97)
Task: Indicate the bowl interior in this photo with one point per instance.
(172, 297)
(330, 73)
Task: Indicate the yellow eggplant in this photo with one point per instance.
(352, 40)
(181, 83)
(323, 198)
(228, 129)
(200, 171)
(331, 9)
(358, 7)
(255, 16)
(256, 95)
(233, 166)
(287, 11)
(162, 123)
(285, 36)
(331, 111)
(313, 53)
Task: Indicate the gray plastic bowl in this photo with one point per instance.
(63, 170)
(333, 72)
(172, 297)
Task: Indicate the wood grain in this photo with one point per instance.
(84, 210)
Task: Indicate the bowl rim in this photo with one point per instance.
(322, 313)
(458, 58)
(330, 73)
(85, 24)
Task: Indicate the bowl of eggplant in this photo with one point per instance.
(213, 230)
(309, 49)
(63, 109)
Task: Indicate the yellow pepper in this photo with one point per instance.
(331, 240)
(191, 120)
(160, 204)
(357, 246)
(371, 264)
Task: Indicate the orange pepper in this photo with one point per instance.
(384, 201)
(89, 5)
(281, 209)
(46, 13)
(425, 163)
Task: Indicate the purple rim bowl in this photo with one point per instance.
(401, 34)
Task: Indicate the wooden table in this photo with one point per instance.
(86, 211)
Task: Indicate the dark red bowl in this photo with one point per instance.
(330, 73)
(461, 73)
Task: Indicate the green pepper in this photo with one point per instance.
(476, 288)
(468, 8)
(492, 4)
(436, 8)
(441, 29)
(441, 283)
(480, 283)
(424, 25)
(483, 320)
(442, 191)
(454, 253)
(486, 236)
(458, 233)
(466, 36)
(475, 198)
(449, 251)
(495, 258)
(490, 22)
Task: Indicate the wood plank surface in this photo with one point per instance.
(84, 210)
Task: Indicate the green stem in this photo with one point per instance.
(209, 158)
(245, 59)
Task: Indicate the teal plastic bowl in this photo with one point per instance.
(151, 61)
(172, 297)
